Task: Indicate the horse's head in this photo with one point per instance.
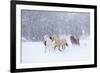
(46, 37)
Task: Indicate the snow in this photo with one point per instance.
(34, 52)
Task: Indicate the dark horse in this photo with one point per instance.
(74, 40)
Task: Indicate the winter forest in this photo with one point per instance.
(35, 24)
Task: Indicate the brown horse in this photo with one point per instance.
(74, 40)
(60, 43)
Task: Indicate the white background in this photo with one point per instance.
(5, 36)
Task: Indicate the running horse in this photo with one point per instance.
(74, 40)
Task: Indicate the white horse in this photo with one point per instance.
(49, 43)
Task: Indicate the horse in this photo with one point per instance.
(49, 43)
(74, 40)
(60, 43)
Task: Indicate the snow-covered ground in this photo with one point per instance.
(34, 52)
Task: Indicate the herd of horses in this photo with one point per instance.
(57, 42)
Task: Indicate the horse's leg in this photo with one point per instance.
(59, 48)
(63, 46)
(78, 42)
(55, 47)
(45, 49)
(45, 43)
